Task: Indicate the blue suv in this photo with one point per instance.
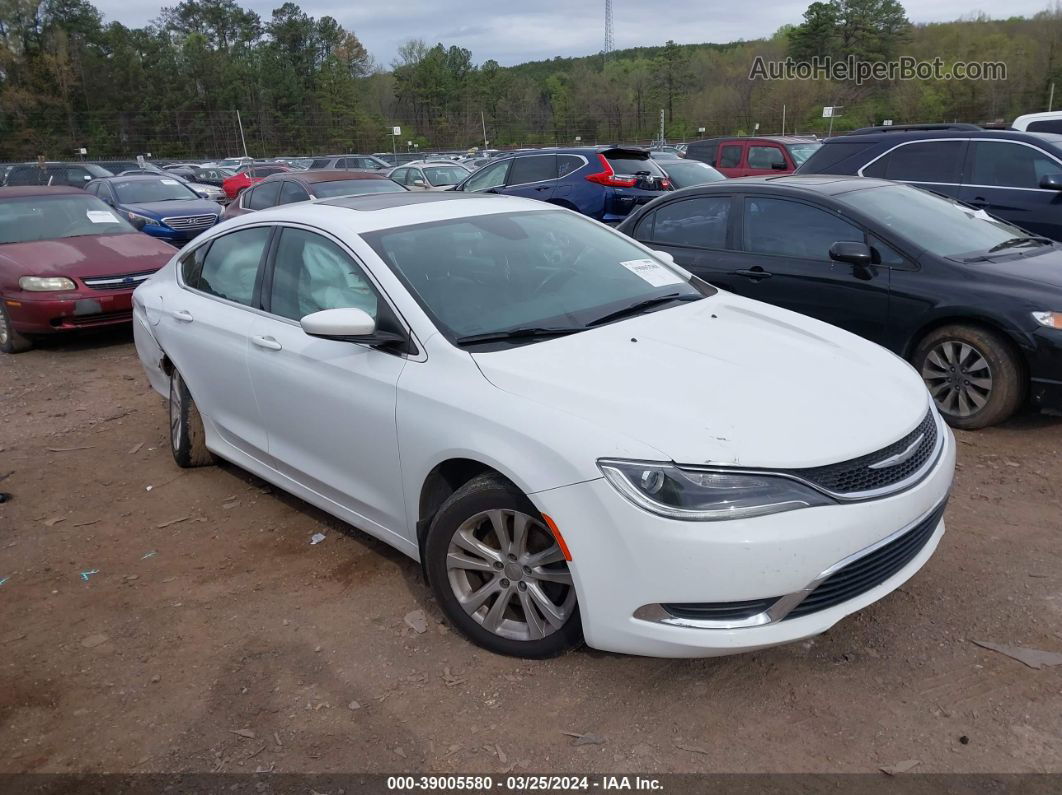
(1016, 176)
(160, 205)
(605, 183)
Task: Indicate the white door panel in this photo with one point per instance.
(329, 408)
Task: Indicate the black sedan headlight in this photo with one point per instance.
(706, 496)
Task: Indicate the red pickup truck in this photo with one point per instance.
(746, 157)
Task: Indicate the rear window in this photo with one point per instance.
(629, 163)
(703, 151)
(1045, 125)
(31, 218)
(351, 187)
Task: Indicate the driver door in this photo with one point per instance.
(489, 179)
(328, 405)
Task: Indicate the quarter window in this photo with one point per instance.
(566, 164)
(925, 161)
(1009, 165)
(700, 222)
(265, 195)
(793, 229)
(230, 266)
(311, 273)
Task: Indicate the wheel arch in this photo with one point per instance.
(1015, 340)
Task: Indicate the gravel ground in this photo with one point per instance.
(157, 619)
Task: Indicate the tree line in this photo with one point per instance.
(70, 79)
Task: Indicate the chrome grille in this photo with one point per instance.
(872, 472)
(190, 221)
(122, 281)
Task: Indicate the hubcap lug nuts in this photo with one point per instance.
(498, 564)
(522, 586)
(504, 583)
(527, 569)
(512, 556)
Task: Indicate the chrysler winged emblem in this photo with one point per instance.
(899, 458)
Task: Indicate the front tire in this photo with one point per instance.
(973, 374)
(499, 574)
(10, 340)
(187, 437)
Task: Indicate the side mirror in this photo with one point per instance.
(780, 166)
(137, 222)
(851, 252)
(418, 183)
(1051, 182)
(347, 325)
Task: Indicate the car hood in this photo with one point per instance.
(724, 380)
(1043, 269)
(86, 256)
(170, 209)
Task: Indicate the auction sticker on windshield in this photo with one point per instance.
(101, 217)
(653, 272)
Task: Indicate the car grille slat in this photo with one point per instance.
(871, 570)
(120, 281)
(857, 475)
(190, 221)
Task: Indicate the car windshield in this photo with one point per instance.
(444, 175)
(942, 226)
(685, 174)
(352, 187)
(545, 270)
(31, 218)
(801, 152)
(144, 191)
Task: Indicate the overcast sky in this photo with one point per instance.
(513, 32)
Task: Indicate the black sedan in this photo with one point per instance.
(974, 303)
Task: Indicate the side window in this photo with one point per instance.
(231, 265)
(342, 163)
(730, 156)
(488, 177)
(94, 189)
(107, 192)
(644, 230)
(794, 229)
(765, 157)
(292, 192)
(319, 163)
(312, 273)
(415, 174)
(566, 164)
(700, 222)
(1009, 165)
(399, 175)
(705, 152)
(1045, 125)
(263, 196)
(532, 169)
(925, 161)
(192, 266)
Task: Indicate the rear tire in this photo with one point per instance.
(187, 437)
(498, 573)
(11, 341)
(973, 374)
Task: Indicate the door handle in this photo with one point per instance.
(755, 273)
(183, 315)
(543, 187)
(268, 343)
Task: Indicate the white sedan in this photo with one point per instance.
(575, 437)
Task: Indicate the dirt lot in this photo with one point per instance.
(155, 619)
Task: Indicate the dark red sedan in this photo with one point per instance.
(67, 262)
(247, 176)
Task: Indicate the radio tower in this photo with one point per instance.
(609, 42)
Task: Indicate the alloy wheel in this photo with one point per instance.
(3, 327)
(176, 422)
(509, 574)
(959, 378)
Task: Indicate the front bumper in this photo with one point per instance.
(1045, 369)
(50, 313)
(625, 560)
(175, 237)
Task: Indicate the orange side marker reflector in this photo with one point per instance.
(557, 535)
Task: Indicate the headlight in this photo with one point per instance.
(148, 220)
(690, 495)
(46, 284)
(1049, 319)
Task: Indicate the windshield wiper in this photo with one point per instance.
(528, 332)
(1014, 242)
(639, 306)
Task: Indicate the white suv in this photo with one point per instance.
(573, 435)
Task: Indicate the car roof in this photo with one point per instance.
(824, 184)
(368, 213)
(900, 135)
(40, 190)
(143, 177)
(778, 139)
(323, 175)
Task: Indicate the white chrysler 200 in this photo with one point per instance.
(574, 436)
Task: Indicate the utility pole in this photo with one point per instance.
(783, 118)
(483, 122)
(1051, 99)
(243, 141)
(609, 39)
(661, 127)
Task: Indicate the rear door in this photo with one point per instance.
(1003, 178)
(532, 177)
(698, 232)
(785, 244)
(935, 165)
(205, 331)
(732, 159)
